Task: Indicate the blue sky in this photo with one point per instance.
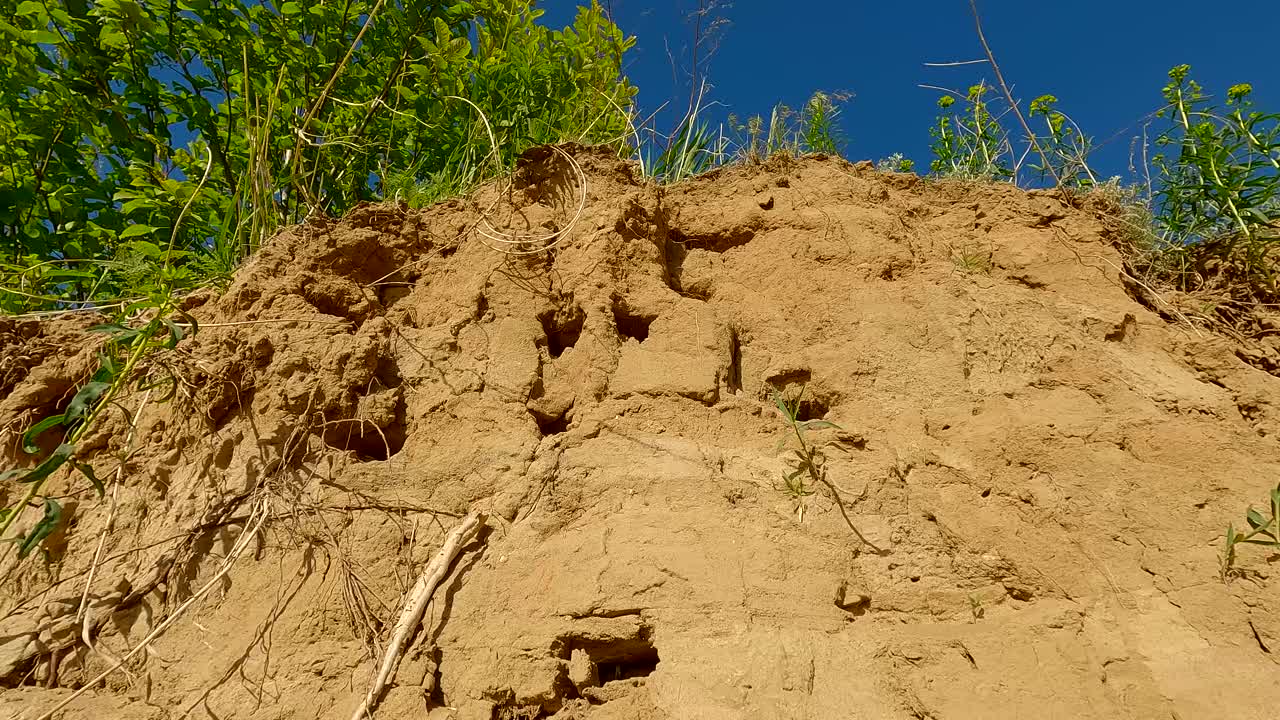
(1105, 60)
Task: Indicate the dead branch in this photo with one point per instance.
(1008, 95)
(415, 605)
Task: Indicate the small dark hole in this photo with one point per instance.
(615, 658)
(637, 665)
(986, 493)
(552, 426)
(915, 578)
(812, 409)
(367, 441)
(563, 328)
(388, 373)
(630, 323)
(734, 379)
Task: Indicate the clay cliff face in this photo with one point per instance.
(1045, 466)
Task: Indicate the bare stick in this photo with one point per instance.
(416, 604)
(1008, 96)
(250, 532)
(956, 64)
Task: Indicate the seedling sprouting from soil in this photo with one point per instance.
(1262, 531)
(808, 463)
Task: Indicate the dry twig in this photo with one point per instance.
(415, 605)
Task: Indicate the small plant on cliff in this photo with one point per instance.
(807, 466)
(968, 140)
(814, 129)
(1218, 196)
(971, 260)
(1262, 531)
(897, 163)
(1065, 148)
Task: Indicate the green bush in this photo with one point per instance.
(296, 108)
(1217, 199)
(968, 139)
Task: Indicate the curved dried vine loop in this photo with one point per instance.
(520, 244)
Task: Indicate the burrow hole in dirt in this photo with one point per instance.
(616, 658)
(563, 327)
(548, 425)
(361, 435)
(719, 243)
(734, 379)
(641, 665)
(366, 440)
(631, 324)
(813, 405)
(813, 409)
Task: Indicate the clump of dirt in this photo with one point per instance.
(1046, 466)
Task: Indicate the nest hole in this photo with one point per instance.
(631, 324)
(563, 327)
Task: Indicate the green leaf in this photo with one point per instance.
(1254, 518)
(50, 464)
(142, 247)
(43, 37)
(290, 8)
(136, 230)
(113, 40)
(195, 326)
(781, 404)
(87, 471)
(139, 203)
(29, 7)
(42, 530)
(175, 334)
(29, 437)
(84, 400)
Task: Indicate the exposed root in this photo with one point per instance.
(254, 525)
(517, 244)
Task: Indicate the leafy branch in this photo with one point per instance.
(808, 462)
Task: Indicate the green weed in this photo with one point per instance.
(1219, 172)
(819, 129)
(968, 140)
(1262, 531)
(897, 163)
(976, 611)
(692, 149)
(808, 462)
(791, 134)
(972, 260)
(1064, 148)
